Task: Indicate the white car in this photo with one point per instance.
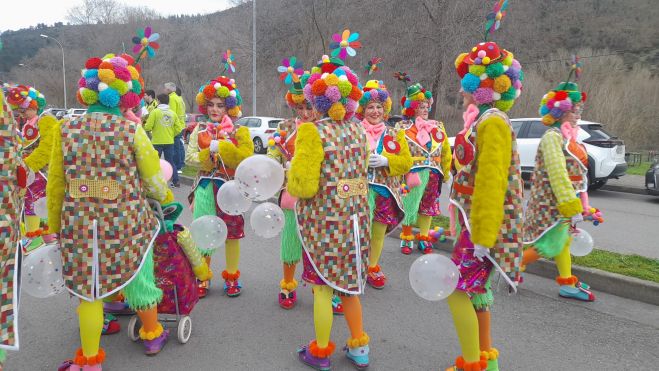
(606, 153)
(75, 112)
(260, 129)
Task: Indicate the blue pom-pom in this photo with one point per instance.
(383, 95)
(91, 73)
(339, 72)
(544, 110)
(230, 102)
(322, 104)
(408, 103)
(109, 98)
(556, 112)
(92, 83)
(470, 83)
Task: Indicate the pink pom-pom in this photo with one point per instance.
(308, 95)
(122, 73)
(82, 83)
(118, 62)
(483, 95)
(313, 78)
(565, 105)
(351, 105)
(550, 103)
(482, 54)
(277, 139)
(374, 95)
(333, 94)
(516, 65)
(129, 100)
(517, 84)
(352, 78)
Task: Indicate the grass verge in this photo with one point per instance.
(639, 169)
(189, 171)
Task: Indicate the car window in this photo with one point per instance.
(272, 124)
(242, 121)
(254, 123)
(200, 118)
(536, 129)
(516, 126)
(596, 132)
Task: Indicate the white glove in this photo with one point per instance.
(576, 219)
(480, 251)
(287, 166)
(377, 161)
(213, 146)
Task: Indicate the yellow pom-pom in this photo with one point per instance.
(419, 96)
(331, 80)
(502, 84)
(508, 61)
(106, 75)
(234, 112)
(337, 112)
(297, 98)
(120, 86)
(548, 119)
(271, 142)
(459, 59)
(134, 75)
(223, 92)
(200, 99)
(486, 60)
(387, 106)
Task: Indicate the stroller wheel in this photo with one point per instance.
(184, 329)
(134, 328)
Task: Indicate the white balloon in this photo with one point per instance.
(209, 232)
(259, 177)
(433, 277)
(231, 200)
(42, 272)
(41, 208)
(267, 220)
(582, 243)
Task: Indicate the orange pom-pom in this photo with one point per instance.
(318, 87)
(355, 94)
(487, 83)
(106, 65)
(375, 269)
(209, 91)
(318, 352)
(502, 84)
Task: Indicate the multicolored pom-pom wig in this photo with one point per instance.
(374, 91)
(295, 93)
(112, 81)
(24, 97)
(333, 89)
(492, 75)
(558, 101)
(415, 94)
(224, 88)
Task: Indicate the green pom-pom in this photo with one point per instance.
(504, 105)
(575, 96)
(89, 96)
(428, 94)
(510, 94)
(41, 101)
(315, 69)
(119, 85)
(494, 70)
(345, 88)
(521, 75)
(476, 70)
(137, 87)
(239, 100)
(343, 101)
(223, 92)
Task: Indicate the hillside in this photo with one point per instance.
(420, 37)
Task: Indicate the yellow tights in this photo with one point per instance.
(423, 222)
(232, 255)
(466, 325)
(378, 230)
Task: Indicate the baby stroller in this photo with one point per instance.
(177, 265)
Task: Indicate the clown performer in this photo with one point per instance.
(12, 183)
(329, 176)
(431, 153)
(102, 169)
(216, 148)
(559, 195)
(487, 194)
(37, 136)
(389, 160)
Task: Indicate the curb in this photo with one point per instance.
(624, 189)
(186, 180)
(599, 280)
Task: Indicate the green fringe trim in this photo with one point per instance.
(3, 356)
(553, 241)
(372, 195)
(484, 301)
(291, 247)
(142, 293)
(204, 204)
(412, 200)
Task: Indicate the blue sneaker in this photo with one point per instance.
(358, 356)
(578, 293)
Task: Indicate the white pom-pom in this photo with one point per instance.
(232, 93)
(557, 104)
(505, 68)
(517, 93)
(324, 75)
(496, 96)
(343, 78)
(102, 86)
(130, 84)
(483, 77)
(83, 71)
(217, 86)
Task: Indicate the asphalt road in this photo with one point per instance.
(534, 330)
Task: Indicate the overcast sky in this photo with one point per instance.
(14, 16)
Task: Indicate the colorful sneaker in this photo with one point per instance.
(425, 247)
(583, 285)
(202, 288)
(118, 308)
(287, 299)
(358, 356)
(232, 286)
(375, 278)
(110, 324)
(337, 307)
(153, 347)
(577, 292)
(82, 363)
(406, 246)
(462, 365)
(319, 361)
(70, 366)
(492, 357)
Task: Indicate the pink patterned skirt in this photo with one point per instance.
(430, 201)
(35, 191)
(309, 273)
(474, 273)
(387, 210)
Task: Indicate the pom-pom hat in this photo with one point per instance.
(374, 91)
(333, 89)
(560, 100)
(295, 93)
(221, 87)
(23, 97)
(414, 94)
(112, 81)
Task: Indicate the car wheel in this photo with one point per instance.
(258, 145)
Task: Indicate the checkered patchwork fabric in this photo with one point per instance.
(542, 211)
(10, 150)
(99, 148)
(422, 156)
(508, 248)
(326, 221)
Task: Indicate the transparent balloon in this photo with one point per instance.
(209, 232)
(259, 177)
(42, 272)
(267, 220)
(433, 277)
(231, 200)
(41, 208)
(582, 242)
(166, 169)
